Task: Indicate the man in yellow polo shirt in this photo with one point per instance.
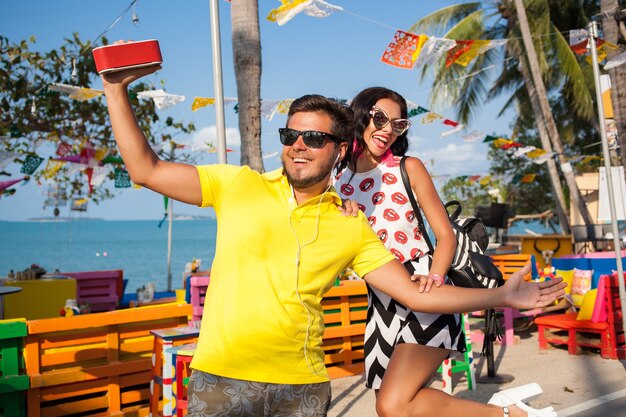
(281, 242)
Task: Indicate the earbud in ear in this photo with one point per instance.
(337, 160)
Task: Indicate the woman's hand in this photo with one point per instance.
(349, 208)
(522, 294)
(426, 281)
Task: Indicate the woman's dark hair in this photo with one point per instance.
(361, 106)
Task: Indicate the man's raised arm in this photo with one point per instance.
(393, 279)
(175, 180)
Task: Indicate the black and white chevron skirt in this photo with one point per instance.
(390, 323)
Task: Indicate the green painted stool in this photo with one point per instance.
(452, 365)
(13, 379)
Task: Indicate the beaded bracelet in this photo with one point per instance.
(436, 277)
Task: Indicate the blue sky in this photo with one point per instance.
(336, 56)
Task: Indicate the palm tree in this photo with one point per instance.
(468, 21)
(246, 40)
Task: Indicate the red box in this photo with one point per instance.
(127, 55)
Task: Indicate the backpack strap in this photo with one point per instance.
(409, 193)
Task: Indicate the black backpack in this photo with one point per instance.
(470, 266)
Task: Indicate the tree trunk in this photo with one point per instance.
(610, 30)
(247, 60)
(566, 168)
(560, 203)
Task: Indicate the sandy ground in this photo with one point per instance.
(583, 385)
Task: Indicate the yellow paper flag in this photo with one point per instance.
(200, 102)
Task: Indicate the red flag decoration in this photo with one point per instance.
(450, 123)
(399, 52)
(460, 48)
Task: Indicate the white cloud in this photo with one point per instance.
(208, 135)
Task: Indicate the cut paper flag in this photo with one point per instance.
(430, 117)
(528, 178)
(162, 100)
(461, 47)
(415, 111)
(200, 102)
(75, 92)
(51, 169)
(270, 108)
(433, 49)
(603, 50)
(122, 178)
(475, 48)
(6, 158)
(290, 8)
(6, 184)
(473, 136)
(457, 128)
(31, 164)
(535, 153)
(99, 175)
(542, 158)
(578, 36)
(403, 49)
(63, 149)
(521, 151)
(615, 61)
(485, 180)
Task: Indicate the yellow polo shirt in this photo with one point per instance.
(274, 261)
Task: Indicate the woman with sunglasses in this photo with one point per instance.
(404, 348)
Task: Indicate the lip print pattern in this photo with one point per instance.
(399, 198)
(378, 198)
(372, 220)
(416, 253)
(401, 237)
(391, 215)
(366, 184)
(410, 216)
(397, 254)
(347, 189)
(382, 235)
(389, 178)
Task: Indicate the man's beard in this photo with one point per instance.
(311, 180)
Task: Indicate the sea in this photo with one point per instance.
(138, 247)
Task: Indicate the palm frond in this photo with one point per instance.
(444, 18)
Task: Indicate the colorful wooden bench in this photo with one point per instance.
(95, 364)
(565, 329)
(13, 379)
(102, 290)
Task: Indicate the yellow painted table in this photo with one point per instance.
(553, 246)
(39, 298)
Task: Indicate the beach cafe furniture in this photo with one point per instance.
(95, 364)
(13, 379)
(163, 363)
(101, 290)
(576, 330)
(39, 298)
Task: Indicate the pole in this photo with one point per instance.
(593, 34)
(170, 218)
(217, 81)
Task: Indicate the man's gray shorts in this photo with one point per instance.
(213, 395)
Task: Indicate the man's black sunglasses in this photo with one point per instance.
(312, 138)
